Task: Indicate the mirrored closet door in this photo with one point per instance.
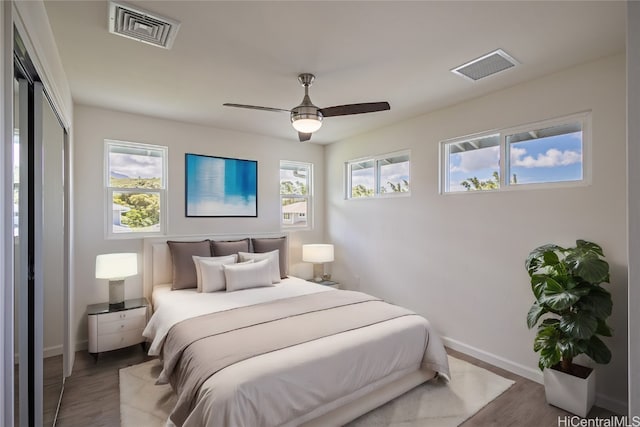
(40, 247)
(53, 259)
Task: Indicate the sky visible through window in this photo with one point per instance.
(363, 176)
(551, 159)
(136, 179)
(394, 173)
(134, 166)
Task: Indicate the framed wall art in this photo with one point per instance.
(220, 186)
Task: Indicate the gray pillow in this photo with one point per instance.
(229, 247)
(262, 245)
(184, 270)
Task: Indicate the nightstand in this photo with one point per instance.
(112, 327)
(329, 283)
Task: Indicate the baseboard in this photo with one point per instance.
(55, 350)
(614, 405)
(508, 365)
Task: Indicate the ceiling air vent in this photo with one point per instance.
(139, 24)
(486, 65)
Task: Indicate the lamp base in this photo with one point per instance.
(116, 293)
(318, 272)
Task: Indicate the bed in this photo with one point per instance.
(289, 354)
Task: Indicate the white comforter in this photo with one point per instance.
(291, 386)
(171, 307)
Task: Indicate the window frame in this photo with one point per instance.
(109, 191)
(584, 118)
(308, 197)
(377, 194)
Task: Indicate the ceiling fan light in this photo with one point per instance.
(306, 125)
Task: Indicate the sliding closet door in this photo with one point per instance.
(51, 244)
(40, 249)
(22, 272)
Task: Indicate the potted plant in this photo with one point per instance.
(570, 310)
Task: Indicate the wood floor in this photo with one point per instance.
(92, 398)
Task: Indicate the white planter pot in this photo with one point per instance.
(571, 393)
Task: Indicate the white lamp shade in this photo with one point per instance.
(306, 125)
(317, 253)
(116, 266)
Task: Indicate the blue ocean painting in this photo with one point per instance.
(218, 186)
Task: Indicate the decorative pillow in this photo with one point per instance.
(229, 247)
(212, 271)
(250, 275)
(184, 271)
(229, 259)
(270, 244)
(272, 257)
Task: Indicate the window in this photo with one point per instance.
(539, 155)
(295, 194)
(386, 175)
(135, 177)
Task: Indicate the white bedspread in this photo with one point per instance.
(291, 386)
(171, 307)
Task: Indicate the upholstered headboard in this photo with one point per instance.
(157, 266)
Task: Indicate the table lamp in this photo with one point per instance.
(318, 254)
(115, 268)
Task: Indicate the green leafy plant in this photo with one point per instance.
(571, 306)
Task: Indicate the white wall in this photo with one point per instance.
(94, 125)
(633, 147)
(459, 259)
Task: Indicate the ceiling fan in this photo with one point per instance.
(306, 118)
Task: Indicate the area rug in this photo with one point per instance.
(435, 403)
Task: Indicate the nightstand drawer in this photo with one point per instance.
(124, 315)
(121, 325)
(113, 341)
(111, 328)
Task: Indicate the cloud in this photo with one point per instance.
(362, 177)
(136, 166)
(395, 172)
(474, 160)
(552, 158)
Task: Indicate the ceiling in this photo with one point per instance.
(360, 51)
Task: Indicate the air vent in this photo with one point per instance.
(486, 65)
(139, 24)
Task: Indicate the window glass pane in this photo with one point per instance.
(294, 211)
(474, 164)
(362, 179)
(136, 212)
(552, 154)
(135, 167)
(295, 193)
(294, 179)
(394, 174)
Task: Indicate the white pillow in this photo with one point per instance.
(247, 275)
(228, 259)
(274, 261)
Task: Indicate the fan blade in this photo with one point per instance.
(304, 136)
(255, 107)
(345, 110)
